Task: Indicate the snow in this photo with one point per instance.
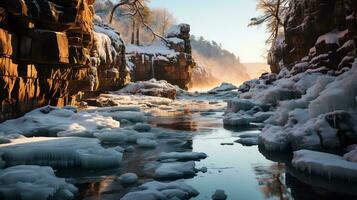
(26, 182)
(158, 48)
(324, 164)
(351, 155)
(60, 152)
(151, 88)
(330, 99)
(128, 179)
(175, 170)
(158, 190)
(223, 88)
(331, 37)
(182, 156)
(52, 121)
(219, 195)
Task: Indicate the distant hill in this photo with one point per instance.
(222, 65)
(256, 69)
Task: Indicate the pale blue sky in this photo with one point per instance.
(224, 21)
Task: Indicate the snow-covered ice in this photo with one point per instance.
(60, 152)
(159, 190)
(26, 182)
(128, 178)
(325, 164)
(53, 121)
(175, 170)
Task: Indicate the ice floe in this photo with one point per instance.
(159, 190)
(60, 152)
(25, 182)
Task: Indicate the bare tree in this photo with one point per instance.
(162, 20)
(137, 10)
(273, 14)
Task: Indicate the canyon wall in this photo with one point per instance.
(319, 34)
(169, 60)
(58, 52)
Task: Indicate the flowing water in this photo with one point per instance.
(246, 173)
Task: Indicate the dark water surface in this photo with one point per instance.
(245, 173)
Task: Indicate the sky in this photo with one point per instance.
(224, 21)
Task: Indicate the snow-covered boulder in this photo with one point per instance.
(128, 178)
(25, 182)
(151, 88)
(53, 121)
(224, 87)
(325, 164)
(175, 170)
(60, 152)
(159, 190)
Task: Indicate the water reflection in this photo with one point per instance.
(247, 173)
(272, 181)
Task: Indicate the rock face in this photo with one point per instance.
(171, 61)
(319, 34)
(50, 53)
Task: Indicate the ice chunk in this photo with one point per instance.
(146, 143)
(52, 120)
(274, 138)
(60, 152)
(117, 136)
(324, 164)
(33, 182)
(175, 170)
(142, 127)
(128, 178)
(182, 156)
(158, 190)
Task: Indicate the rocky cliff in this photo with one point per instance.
(51, 53)
(169, 60)
(56, 52)
(319, 34)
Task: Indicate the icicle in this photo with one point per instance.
(152, 68)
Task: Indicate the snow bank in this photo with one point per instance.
(52, 121)
(324, 164)
(33, 182)
(156, 49)
(60, 152)
(158, 190)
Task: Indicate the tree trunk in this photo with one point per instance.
(138, 35)
(133, 33)
(277, 19)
